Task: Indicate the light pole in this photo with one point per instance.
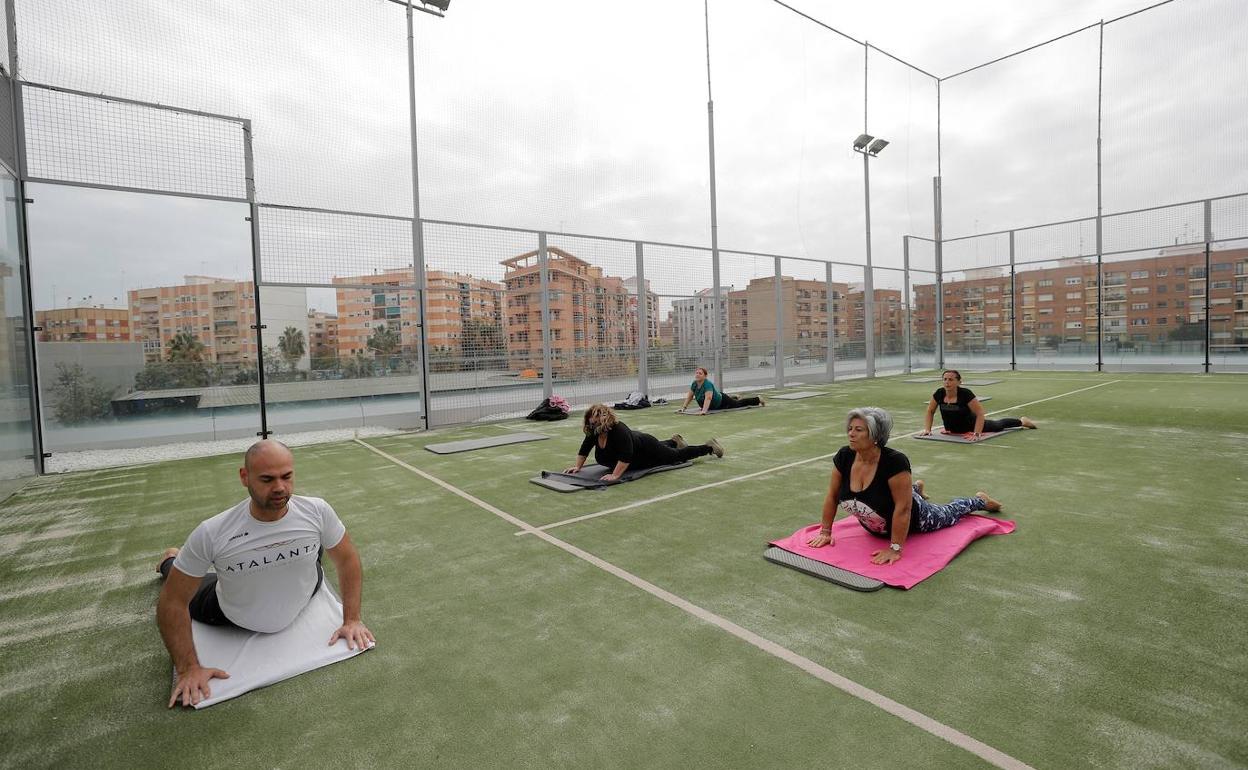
(868, 147)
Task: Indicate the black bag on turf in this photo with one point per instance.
(547, 413)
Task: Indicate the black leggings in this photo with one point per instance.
(996, 426)
(649, 452)
(736, 402)
(204, 605)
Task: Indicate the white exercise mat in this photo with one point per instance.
(254, 660)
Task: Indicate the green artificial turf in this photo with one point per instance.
(1107, 631)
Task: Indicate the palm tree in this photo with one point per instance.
(291, 346)
(386, 341)
(184, 348)
(186, 354)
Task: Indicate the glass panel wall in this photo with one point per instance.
(683, 337)
(145, 305)
(16, 438)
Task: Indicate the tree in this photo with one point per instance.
(187, 358)
(441, 359)
(385, 342)
(291, 346)
(483, 344)
(1188, 332)
(357, 367)
(80, 397)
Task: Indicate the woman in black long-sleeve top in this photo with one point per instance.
(618, 447)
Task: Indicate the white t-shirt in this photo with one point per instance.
(266, 570)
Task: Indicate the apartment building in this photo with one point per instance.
(693, 319)
(85, 323)
(322, 335)
(1146, 299)
(593, 317)
(219, 312)
(453, 299)
(804, 314)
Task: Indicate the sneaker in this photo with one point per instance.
(762, 401)
(1028, 423)
(717, 449)
(679, 441)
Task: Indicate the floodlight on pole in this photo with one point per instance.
(868, 147)
(441, 5)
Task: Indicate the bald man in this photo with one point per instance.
(265, 553)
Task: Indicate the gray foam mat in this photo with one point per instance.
(798, 394)
(980, 382)
(965, 383)
(924, 379)
(694, 411)
(959, 438)
(467, 445)
(841, 577)
(589, 477)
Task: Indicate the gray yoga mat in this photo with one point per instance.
(958, 438)
(798, 394)
(589, 477)
(695, 411)
(841, 577)
(467, 445)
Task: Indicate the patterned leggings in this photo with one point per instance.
(932, 517)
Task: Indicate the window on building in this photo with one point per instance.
(1139, 290)
(1139, 306)
(1074, 280)
(1074, 295)
(1139, 274)
(1047, 282)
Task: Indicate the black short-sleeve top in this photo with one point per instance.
(958, 418)
(872, 506)
(621, 445)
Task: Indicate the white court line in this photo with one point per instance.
(846, 685)
(734, 479)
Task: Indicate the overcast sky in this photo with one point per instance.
(591, 117)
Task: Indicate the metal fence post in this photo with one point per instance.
(1013, 344)
(1208, 281)
(905, 297)
(940, 273)
(643, 325)
(830, 309)
(543, 261)
(779, 355)
(868, 320)
(418, 235)
(254, 218)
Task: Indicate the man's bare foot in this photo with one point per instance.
(993, 506)
(1028, 423)
(167, 553)
(918, 487)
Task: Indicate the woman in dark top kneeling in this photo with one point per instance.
(961, 411)
(618, 447)
(873, 483)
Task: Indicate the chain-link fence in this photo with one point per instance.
(231, 236)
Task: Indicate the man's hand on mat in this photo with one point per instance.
(572, 470)
(885, 556)
(356, 634)
(609, 477)
(820, 540)
(192, 686)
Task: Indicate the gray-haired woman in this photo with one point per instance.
(873, 483)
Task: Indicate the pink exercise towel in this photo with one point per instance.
(925, 553)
